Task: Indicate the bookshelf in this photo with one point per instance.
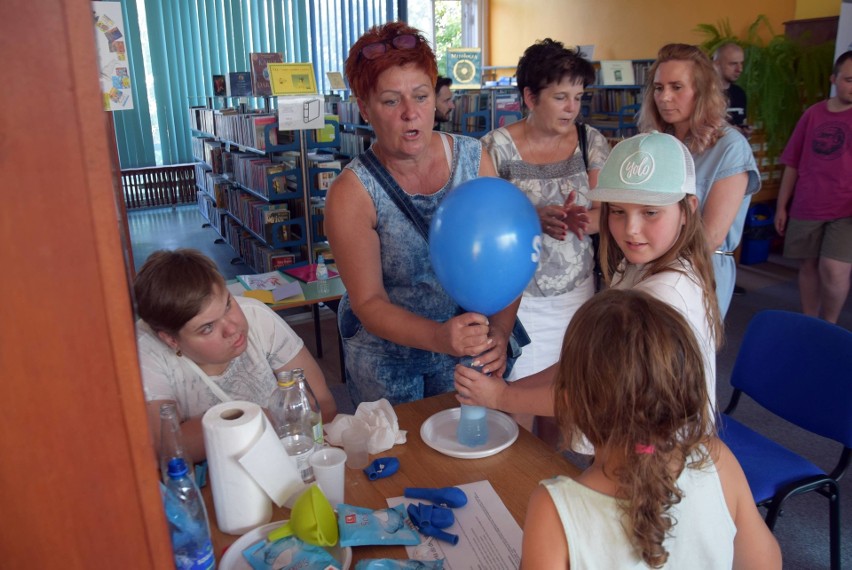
(356, 136)
(478, 112)
(612, 108)
(261, 189)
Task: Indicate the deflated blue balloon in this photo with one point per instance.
(484, 244)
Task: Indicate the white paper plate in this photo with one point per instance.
(439, 433)
(233, 558)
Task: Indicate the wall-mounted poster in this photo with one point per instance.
(113, 63)
(464, 66)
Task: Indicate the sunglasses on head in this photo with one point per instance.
(376, 49)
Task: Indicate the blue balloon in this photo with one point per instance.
(484, 243)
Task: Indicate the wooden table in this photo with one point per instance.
(513, 473)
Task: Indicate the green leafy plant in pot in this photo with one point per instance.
(782, 76)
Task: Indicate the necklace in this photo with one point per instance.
(547, 157)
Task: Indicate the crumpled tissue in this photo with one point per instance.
(378, 417)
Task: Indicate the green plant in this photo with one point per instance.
(781, 76)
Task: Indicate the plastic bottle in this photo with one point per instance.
(187, 518)
(292, 419)
(311, 401)
(171, 440)
(472, 430)
(322, 276)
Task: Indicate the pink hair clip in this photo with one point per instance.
(644, 449)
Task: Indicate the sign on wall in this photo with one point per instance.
(113, 64)
(464, 67)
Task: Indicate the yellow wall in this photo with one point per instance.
(622, 29)
(817, 8)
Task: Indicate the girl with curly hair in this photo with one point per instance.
(661, 492)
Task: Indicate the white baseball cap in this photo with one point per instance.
(652, 168)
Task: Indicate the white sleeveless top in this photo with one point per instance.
(702, 537)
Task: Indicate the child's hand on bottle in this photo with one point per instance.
(476, 389)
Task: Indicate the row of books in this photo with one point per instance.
(349, 113)
(330, 166)
(214, 185)
(611, 100)
(210, 151)
(609, 72)
(257, 254)
(201, 119)
(210, 211)
(267, 221)
(467, 103)
(353, 144)
(247, 129)
(268, 176)
(318, 209)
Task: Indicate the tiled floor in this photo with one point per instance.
(181, 226)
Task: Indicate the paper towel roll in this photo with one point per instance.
(230, 430)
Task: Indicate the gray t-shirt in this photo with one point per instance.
(250, 377)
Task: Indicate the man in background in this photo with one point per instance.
(444, 103)
(728, 59)
(817, 188)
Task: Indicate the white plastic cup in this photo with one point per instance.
(328, 463)
(355, 443)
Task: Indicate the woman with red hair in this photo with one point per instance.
(402, 333)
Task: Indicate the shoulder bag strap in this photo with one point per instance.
(397, 194)
(583, 143)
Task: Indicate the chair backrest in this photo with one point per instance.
(799, 368)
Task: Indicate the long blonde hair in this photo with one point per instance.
(631, 379)
(710, 114)
(690, 247)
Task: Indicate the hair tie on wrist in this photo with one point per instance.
(643, 449)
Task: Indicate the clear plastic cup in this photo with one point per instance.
(328, 463)
(355, 444)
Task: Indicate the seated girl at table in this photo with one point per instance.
(652, 239)
(661, 492)
(199, 345)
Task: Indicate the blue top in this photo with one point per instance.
(730, 155)
(376, 367)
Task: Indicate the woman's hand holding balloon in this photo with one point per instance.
(476, 389)
(464, 335)
(493, 361)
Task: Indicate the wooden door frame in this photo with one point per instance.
(78, 477)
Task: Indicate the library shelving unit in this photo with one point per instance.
(477, 112)
(480, 111)
(356, 136)
(612, 109)
(261, 189)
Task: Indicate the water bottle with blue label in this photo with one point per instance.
(322, 276)
(187, 518)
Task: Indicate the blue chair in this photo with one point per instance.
(800, 369)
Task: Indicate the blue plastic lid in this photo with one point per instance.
(177, 468)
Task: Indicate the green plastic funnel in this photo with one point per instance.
(312, 520)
